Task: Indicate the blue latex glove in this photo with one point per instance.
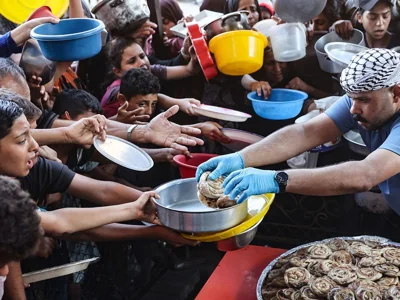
(251, 182)
(221, 166)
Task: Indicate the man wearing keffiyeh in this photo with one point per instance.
(371, 106)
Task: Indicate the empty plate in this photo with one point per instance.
(221, 113)
(124, 153)
(240, 139)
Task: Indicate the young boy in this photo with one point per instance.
(375, 17)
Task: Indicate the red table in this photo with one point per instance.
(236, 276)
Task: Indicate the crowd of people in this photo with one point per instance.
(55, 186)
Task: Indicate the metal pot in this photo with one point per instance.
(356, 144)
(239, 241)
(324, 61)
(213, 28)
(122, 17)
(235, 21)
(180, 209)
(33, 62)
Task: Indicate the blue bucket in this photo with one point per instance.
(70, 39)
(282, 104)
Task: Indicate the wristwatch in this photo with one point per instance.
(282, 179)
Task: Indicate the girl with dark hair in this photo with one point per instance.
(250, 5)
(171, 14)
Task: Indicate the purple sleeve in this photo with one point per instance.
(8, 46)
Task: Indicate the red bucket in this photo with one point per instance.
(188, 166)
(41, 12)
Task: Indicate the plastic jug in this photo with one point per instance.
(288, 41)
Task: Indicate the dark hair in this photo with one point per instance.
(116, 48)
(10, 68)
(332, 10)
(76, 102)
(9, 112)
(19, 223)
(138, 82)
(233, 6)
(31, 112)
(170, 10)
(214, 5)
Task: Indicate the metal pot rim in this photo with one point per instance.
(99, 5)
(191, 212)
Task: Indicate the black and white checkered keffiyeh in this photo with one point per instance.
(371, 70)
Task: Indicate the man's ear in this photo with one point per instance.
(396, 93)
(67, 116)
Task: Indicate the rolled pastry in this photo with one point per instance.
(297, 277)
(343, 275)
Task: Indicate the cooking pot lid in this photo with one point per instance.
(302, 11)
(124, 153)
(18, 11)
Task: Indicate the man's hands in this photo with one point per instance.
(161, 132)
(186, 105)
(211, 130)
(83, 131)
(221, 166)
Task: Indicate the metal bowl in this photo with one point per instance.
(324, 61)
(33, 63)
(239, 241)
(383, 241)
(342, 53)
(180, 209)
(356, 143)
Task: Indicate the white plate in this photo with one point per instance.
(220, 113)
(203, 18)
(124, 153)
(240, 139)
(58, 271)
(342, 53)
(354, 137)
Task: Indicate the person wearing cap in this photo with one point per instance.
(267, 9)
(371, 106)
(374, 16)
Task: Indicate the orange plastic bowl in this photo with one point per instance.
(188, 166)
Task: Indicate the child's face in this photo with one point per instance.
(18, 150)
(133, 57)
(147, 102)
(376, 21)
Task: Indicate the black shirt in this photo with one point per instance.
(46, 177)
(46, 120)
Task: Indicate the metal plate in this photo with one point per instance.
(220, 113)
(302, 11)
(124, 153)
(356, 143)
(264, 274)
(58, 271)
(342, 53)
(203, 19)
(240, 139)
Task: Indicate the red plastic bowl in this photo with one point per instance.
(41, 12)
(188, 166)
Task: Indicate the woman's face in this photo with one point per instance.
(133, 58)
(249, 5)
(167, 24)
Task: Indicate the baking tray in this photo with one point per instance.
(264, 274)
(203, 18)
(58, 271)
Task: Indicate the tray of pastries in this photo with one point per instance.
(345, 268)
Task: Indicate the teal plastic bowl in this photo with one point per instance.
(282, 104)
(70, 39)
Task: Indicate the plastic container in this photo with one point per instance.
(239, 52)
(70, 39)
(282, 104)
(41, 12)
(188, 166)
(288, 41)
(265, 26)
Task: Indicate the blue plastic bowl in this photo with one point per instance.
(282, 104)
(70, 39)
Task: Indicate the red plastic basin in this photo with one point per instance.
(188, 166)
